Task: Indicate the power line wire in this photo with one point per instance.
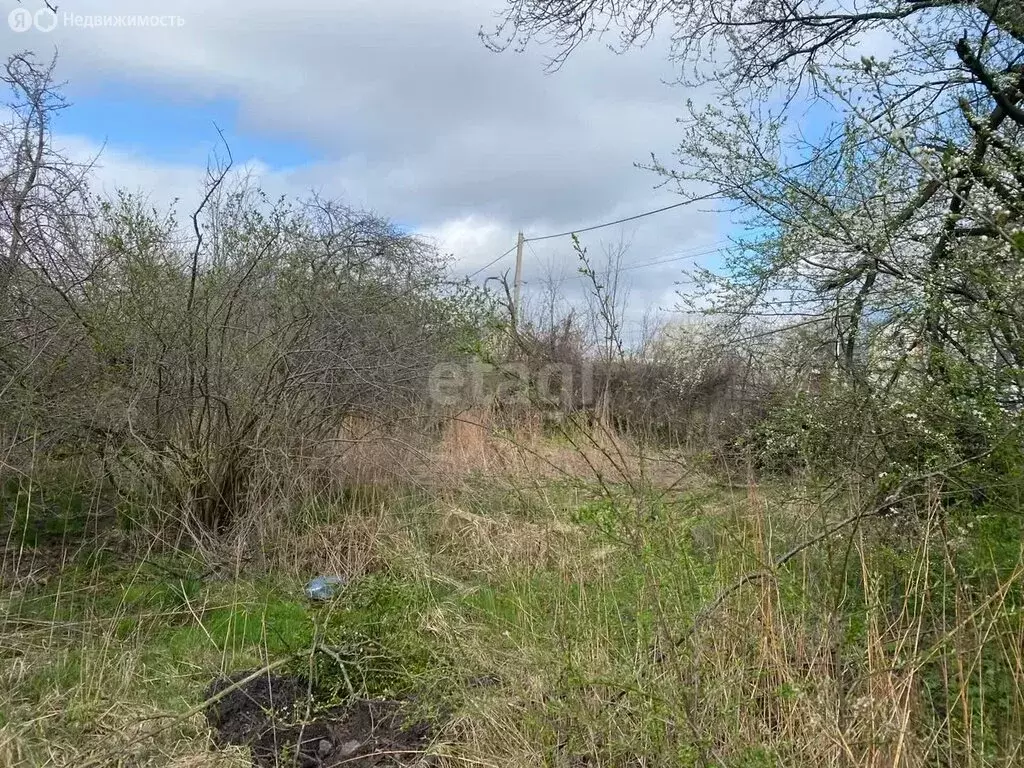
(683, 256)
(490, 264)
(698, 199)
(677, 257)
(708, 196)
(693, 252)
(595, 227)
(532, 249)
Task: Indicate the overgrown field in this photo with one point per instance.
(538, 622)
(776, 523)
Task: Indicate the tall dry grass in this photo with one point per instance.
(584, 597)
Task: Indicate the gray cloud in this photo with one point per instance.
(413, 117)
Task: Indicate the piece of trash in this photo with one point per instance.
(325, 587)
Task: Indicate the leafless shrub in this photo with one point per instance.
(200, 363)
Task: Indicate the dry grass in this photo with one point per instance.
(83, 703)
(477, 442)
(876, 649)
(502, 545)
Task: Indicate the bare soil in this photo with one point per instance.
(269, 715)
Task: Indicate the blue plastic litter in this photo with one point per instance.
(325, 587)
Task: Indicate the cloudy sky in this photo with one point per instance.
(393, 105)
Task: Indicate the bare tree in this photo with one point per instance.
(42, 193)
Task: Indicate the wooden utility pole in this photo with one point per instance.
(517, 289)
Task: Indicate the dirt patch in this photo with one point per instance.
(269, 715)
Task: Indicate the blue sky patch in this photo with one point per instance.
(170, 129)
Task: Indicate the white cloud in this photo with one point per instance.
(410, 115)
(475, 239)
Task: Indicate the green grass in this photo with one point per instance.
(36, 517)
(575, 611)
